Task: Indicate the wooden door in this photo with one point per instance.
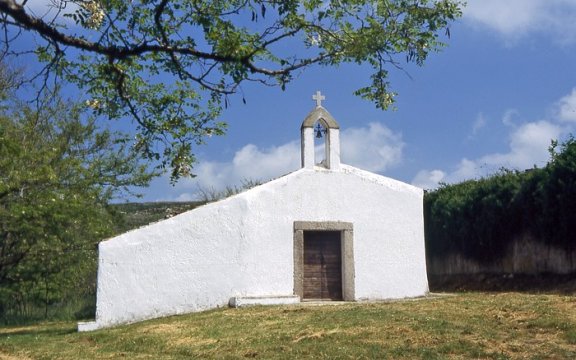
(322, 265)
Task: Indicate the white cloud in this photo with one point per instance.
(251, 162)
(428, 179)
(508, 17)
(374, 148)
(508, 117)
(466, 169)
(567, 107)
(528, 146)
(50, 9)
(516, 19)
(479, 123)
(40, 7)
(248, 164)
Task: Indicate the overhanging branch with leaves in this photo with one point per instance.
(171, 64)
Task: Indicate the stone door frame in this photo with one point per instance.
(347, 251)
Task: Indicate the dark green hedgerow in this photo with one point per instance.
(480, 218)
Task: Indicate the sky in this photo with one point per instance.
(497, 96)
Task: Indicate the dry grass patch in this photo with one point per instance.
(305, 335)
(465, 326)
(11, 357)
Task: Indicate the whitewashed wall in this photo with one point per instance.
(243, 246)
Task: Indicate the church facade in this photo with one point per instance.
(325, 232)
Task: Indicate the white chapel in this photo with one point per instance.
(325, 232)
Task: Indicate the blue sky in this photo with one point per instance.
(495, 97)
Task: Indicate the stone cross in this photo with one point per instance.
(318, 97)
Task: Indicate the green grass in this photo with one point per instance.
(79, 307)
(463, 326)
(135, 215)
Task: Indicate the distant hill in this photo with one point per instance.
(135, 215)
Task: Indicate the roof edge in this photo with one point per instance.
(320, 113)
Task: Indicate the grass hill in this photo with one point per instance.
(462, 326)
(135, 215)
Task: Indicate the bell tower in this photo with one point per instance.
(319, 123)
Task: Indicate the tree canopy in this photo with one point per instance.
(170, 65)
(58, 173)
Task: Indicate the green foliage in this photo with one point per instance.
(135, 215)
(480, 218)
(58, 172)
(551, 196)
(211, 194)
(170, 65)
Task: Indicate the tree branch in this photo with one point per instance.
(23, 19)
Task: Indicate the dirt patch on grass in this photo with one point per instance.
(315, 335)
(192, 341)
(16, 330)
(171, 328)
(568, 307)
(11, 357)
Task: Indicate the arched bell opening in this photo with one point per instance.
(321, 143)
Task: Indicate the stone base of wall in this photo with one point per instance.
(88, 326)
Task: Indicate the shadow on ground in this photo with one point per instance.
(540, 283)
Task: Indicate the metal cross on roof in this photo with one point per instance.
(318, 97)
